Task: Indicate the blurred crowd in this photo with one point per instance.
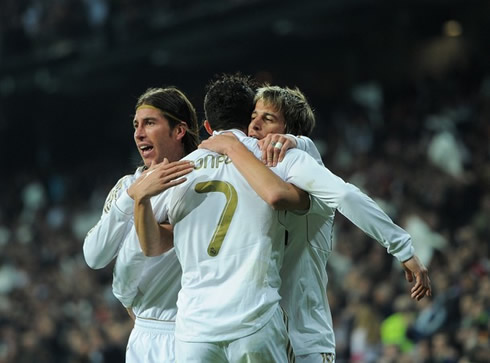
(43, 27)
(420, 150)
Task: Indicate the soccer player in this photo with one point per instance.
(165, 128)
(309, 244)
(229, 242)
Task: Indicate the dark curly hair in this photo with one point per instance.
(229, 101)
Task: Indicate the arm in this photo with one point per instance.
(272, 189)
(154, 238)
(103, 241)
(361, 210)
(306, 144)
(128, 270)
(276, 155)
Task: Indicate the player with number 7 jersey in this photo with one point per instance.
(230, 245)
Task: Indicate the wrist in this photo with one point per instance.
(141, 199)
(233, 148)
(407, 259)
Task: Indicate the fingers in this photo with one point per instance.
(206, 143)
(408, 276)
(176, 165)
(173, 170)
(422, 286)
(274, 147)
(271, 150)
(179, 172)
(414, 267)
(287, 144)
(173, 183)
(418, 291)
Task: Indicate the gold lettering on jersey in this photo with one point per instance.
(211, 161)
(226, 215)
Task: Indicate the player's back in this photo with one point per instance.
(230, 246)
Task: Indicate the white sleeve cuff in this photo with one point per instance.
(125, 204)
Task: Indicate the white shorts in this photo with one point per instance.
(270, 344)
(151, 341)
(316, 358)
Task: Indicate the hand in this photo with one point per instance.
(158, 178)
(271, 154)
(414, 267)
(221, 143)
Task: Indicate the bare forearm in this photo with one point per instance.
(152, 238)
(272, 189)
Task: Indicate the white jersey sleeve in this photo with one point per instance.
(104, 240)
(306, 144)
(128, 270)
(304, 172)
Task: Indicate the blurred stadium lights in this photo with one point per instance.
(215, 34)
(324, 47)
(453, 28)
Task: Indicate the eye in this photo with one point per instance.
(254, 115)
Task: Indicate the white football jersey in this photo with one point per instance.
(230, 245)
(309, 244)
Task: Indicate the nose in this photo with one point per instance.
(255, 124)
(139, 132)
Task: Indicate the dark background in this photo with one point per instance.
(67, 92)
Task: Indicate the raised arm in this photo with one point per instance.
(103, 241)
(154, 238)
(271, 188)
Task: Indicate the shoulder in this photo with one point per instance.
(122, 185)
(252, 144)
(196, 154)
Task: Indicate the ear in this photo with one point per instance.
(208, 128)
(180, 131)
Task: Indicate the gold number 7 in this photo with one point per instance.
(226, 215)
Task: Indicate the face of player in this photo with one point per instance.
(153, 137)
(266, 120)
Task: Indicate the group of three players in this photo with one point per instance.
(221, 257)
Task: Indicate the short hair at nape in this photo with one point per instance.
(292, 103)
(229, 101)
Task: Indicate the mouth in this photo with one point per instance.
(145, 150)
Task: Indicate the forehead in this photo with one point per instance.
(267, 107)
(148, 112)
